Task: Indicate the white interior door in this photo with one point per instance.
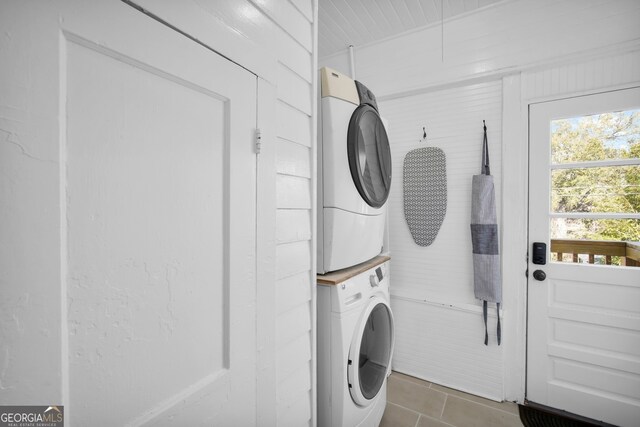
(153, 174)
(584, 318)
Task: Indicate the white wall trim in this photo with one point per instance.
(514, 224)
(266, 382)
(467, 308)
(578, 93)
(314, 219)
(493, 75)
(64, 232)
(490, 76)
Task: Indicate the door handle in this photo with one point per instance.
(539, 275)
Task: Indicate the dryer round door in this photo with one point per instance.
(369, 155)
(370, 353)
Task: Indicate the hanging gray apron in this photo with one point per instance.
(487, 283)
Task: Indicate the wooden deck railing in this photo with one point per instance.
(628, 252)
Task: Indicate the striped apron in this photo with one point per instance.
(487, 282)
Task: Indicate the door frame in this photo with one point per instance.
(266, 255)
(515, 129)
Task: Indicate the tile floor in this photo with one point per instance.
(412, 402)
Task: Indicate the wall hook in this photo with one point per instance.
(424, 134)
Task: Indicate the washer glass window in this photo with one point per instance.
(369, 155)
(375, 351)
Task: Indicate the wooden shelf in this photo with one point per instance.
(339, 276)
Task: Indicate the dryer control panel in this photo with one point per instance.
(358, 289)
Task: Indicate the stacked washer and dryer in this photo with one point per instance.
(355, 323)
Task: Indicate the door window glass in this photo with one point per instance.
(611, 189)
(375, 351)
(595, 189)
(607, 136)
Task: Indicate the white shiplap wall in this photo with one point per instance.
(494, 62)
(294, 262)
(294, 270)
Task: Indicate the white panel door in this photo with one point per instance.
(584, 317)
(157, 191)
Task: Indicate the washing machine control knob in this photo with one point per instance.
(373, 279)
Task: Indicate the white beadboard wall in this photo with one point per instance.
(504, 56)
(444, 344)
(453, 119)
(437, 317)
(593, 75)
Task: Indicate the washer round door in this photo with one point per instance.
(369, 155)
(370, 353)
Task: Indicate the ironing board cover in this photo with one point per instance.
(425, 193)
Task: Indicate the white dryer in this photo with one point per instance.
(354, 173)
(355, 345)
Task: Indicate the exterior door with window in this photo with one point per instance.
(583, 348)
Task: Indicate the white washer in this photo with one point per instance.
(355, 345)
(354, 166)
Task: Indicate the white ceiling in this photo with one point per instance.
(356, 22)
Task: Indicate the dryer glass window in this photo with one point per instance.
(375, 351)
(369, 155)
